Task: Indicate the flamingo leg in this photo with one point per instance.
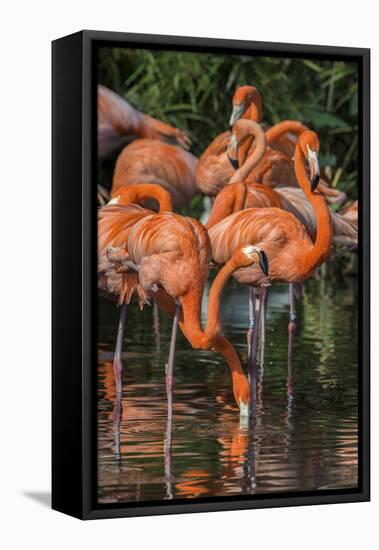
(170, 363)
(167, 457)
(262, 323)
(117, 363)
(255, 310)
(289, 368)
(117, 415)
(250, 332)
(292, 319)
(291, 334)
(169, 386)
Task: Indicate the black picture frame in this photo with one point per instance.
(74, 274)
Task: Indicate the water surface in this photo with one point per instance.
(303, 435)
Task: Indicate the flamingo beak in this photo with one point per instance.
(263, 262)
(244, 409)
(237, 112)
(232, 152)
(257, 255)
(314, 168)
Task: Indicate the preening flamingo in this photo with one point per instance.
(166, 257)
(151, 161)
(275, 167)
(292, 254)
(213, 169)
(118, 122)
(272, 167)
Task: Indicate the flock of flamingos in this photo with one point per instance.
(272, 218)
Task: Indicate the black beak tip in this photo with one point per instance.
(234, 163)
(315, 182)
(263, 262)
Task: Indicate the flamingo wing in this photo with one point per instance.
(149, 161)
(281, 235)
(114, 226)
(214, 169)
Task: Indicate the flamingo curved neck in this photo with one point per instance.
(278, 130)
(319, 251)
(139, 192)
(254, 131)
(254, 111)
(231, 199)
(191, 303)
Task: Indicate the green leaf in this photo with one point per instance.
(320, 118)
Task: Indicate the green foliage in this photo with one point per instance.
(193, 91)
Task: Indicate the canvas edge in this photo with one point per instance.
(87, 509)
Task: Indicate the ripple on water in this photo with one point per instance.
(304, 435)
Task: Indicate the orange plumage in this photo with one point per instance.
(118, 122)
(261, 160)
(150, 161)
(238, 196)
(214, 169)
(274, 167)
(291, 252)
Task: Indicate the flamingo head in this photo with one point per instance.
(248, 255)
(310, 146)
(241, 392)
(243, 97)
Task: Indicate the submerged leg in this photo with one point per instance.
(169, 386)
(289, 372)
(117, 364)
(168, 457)
(170, 364)
(292, 319)
(117, 415)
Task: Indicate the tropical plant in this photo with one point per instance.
(193, 91)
